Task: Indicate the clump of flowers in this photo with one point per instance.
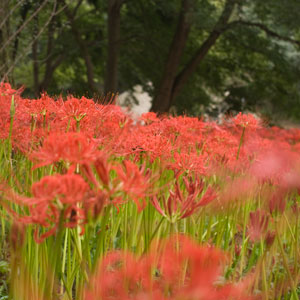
(99, 189)
(177, 268)
(56, 200)
(178, 205)
(246, 121)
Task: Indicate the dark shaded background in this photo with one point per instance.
(191, 56)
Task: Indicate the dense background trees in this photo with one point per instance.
(185, 53)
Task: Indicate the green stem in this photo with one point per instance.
(55, 257)
(77, 126)
(64, 260)
(100, 247)
(241, 143)
(12, 113)
(155, 231)
(294, 292)
(264, 275)
(296, 245)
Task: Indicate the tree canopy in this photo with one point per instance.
(185, 53)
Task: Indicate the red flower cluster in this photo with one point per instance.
(180, 206)
(246, 121)
(258, 225)
(71, 148)
(134, 182)
(56, 198)
(179, 143)
(177, 269)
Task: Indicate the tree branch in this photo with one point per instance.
(264, 28)
(76, 8)
(51, 64)
(162, 100)
(190, 68)
(113, 33)
(10, 13)
(24, 25)
(48, 75)
(24, 11)
(28, 48)
(83, 48)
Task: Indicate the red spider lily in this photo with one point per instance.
(53, 196)
(6, 89)
(81, 114)
(203, 268)
(218, 144)
(191, 162)
(120, 276)
(70, 188)
(133, 181)
(278, 166)
(270, 237)
(246, 121)
(144, 140)
(277, 200)
(236, 192)
(220, 147)
(70, 147)
(178, 206)
(95, 203)
(258, 225)
(102, 167)
(180, 270)
(39, 110)
(17, 235)
(149, 118)
(103, 190)
(77, 108)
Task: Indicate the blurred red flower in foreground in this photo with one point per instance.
(175, 269)
(258, 225)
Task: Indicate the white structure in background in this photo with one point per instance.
(136, 102)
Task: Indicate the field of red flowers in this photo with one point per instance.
(95, 205)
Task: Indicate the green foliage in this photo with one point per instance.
(260, 66)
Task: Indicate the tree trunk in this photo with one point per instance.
(165, 99)
(51, 62)
(23, 13)
(191, 67)
(113, 50)
(83, 49)
(4, 35)
(161, 102)
(48, 76)
(35, 59)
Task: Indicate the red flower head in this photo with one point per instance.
(78, 108)
(149, 118)
(54, 195)
(176, 269)
(70, 147)
(246, 121)
(178, 205)
(133, 181)
(6, 89)
(278, 200)
(258, 225)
